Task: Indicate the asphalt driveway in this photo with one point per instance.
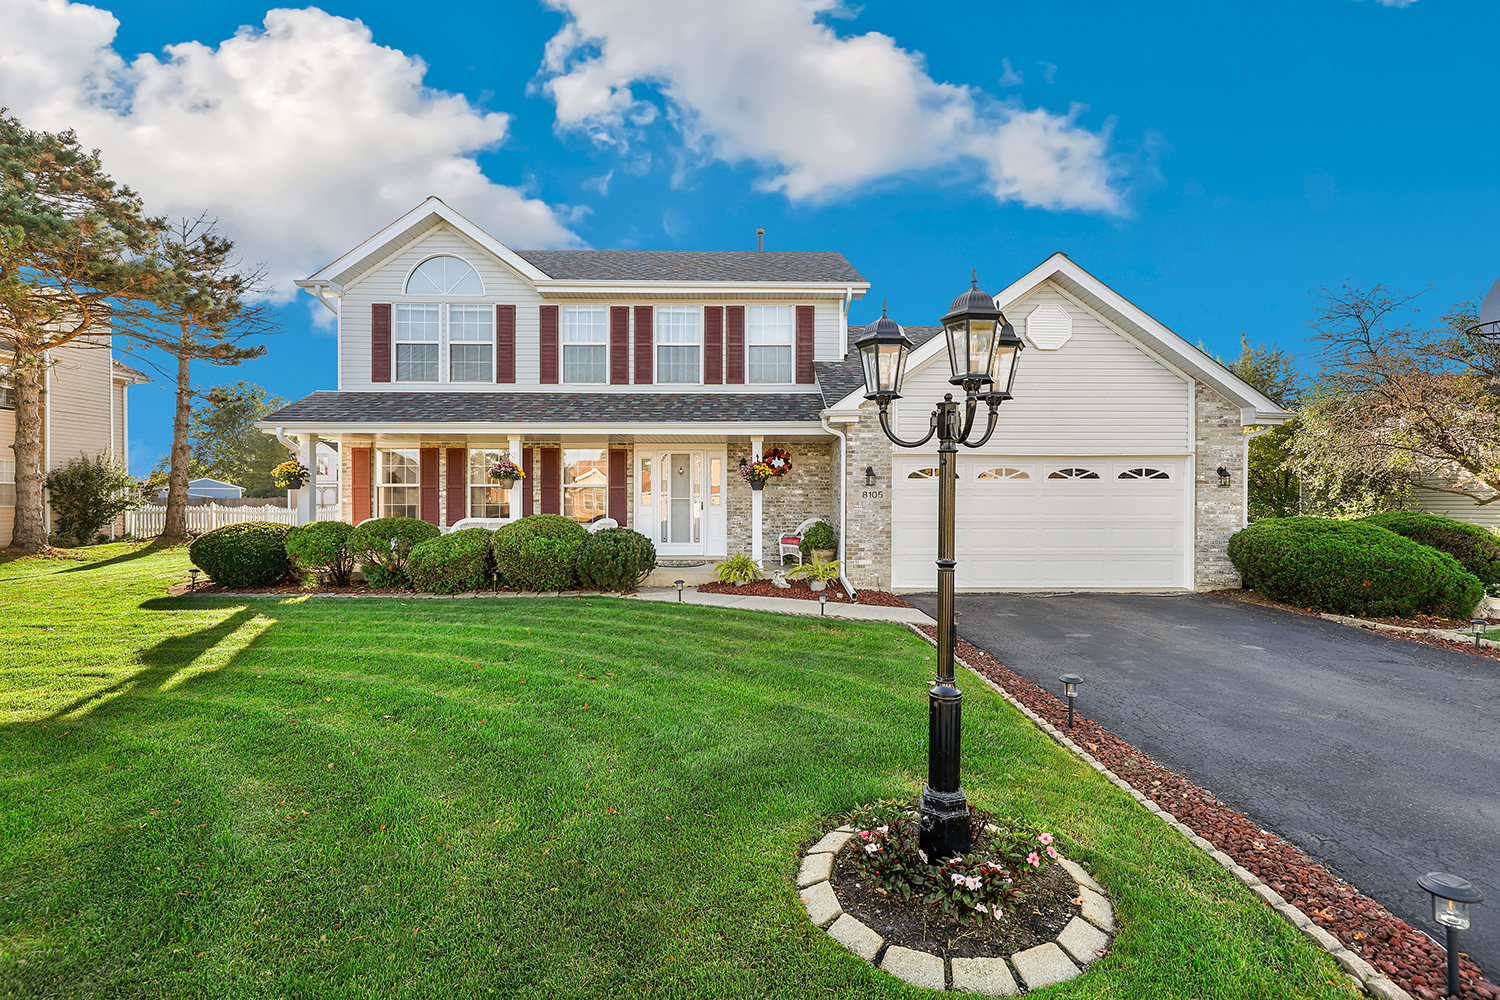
(1378, 757)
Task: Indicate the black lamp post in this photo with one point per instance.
(1451, 898)
(982, 352)
(1070, 684)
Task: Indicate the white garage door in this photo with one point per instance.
(1058, 523)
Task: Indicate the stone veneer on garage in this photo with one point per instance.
(1220, 513)
(867, 544)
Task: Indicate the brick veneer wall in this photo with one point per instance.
(809, 490)
(1220, 510)
(867, 544)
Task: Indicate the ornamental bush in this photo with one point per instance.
(1351, 568)
(247, 554)
(540, 552)
(451, 564)
(1476, 549)
(87, 494)
(615, 559)
(322, 547)
(382, 545)
(819, 536)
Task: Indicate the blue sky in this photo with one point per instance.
(1221, 162)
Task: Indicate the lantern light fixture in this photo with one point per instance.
(869, 475)
(1452, 896)
(882, 350)
(1070, 684)
(1224, 477)
(982, 346)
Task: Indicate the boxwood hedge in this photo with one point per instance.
(540, 552)
(1351, 568)
(615, 559)
(1476, 549)
(247, 554)
(451, 564)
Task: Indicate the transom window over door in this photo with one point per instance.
(444, 276)
(585, 343)
(400, 483)
(585, 483)
(769, 336)
(418, 329)
(486, 498)
(679, 344)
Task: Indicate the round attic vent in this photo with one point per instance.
(1049, 326)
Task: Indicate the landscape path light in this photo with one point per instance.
(823, 603)
(679, 590)
(983, 351)
(194, 574)
(1480, 626)
(1451, 898)
(1070, 684)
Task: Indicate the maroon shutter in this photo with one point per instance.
(458, 461)
(805, 373)
(734, 345)
(551, 480)
(549, 345)
(619, 345)
(380, 342)
(528, 467)
(619, 496)
(713, 345)
(505, 343)
(359, 463)
(644, 331)
(429, 473)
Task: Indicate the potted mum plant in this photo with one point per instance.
(506, 473)
(289, 475)
(820, 543)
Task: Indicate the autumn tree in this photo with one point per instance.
(1399, 404)
(75, 265)
(207, 311)
(226, 443)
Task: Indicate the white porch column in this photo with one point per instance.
(515, 494)
(757, 541)
(307, 496)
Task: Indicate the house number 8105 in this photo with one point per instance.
(872, 494)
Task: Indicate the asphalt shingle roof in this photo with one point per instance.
(548, 407)
(839, 378)
(693, 265)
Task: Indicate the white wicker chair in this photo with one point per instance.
(791, 545)
(601, 524)
(476, 522)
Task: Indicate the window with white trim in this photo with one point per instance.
(769, 336)
(486, 498)
(400, 484)
(471, 343)
(7, 389)
(679, 344)
(585, 483)
(444, 275)
(417, 331)
(7, 482)
(585, 343)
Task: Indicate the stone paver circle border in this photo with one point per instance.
(1084, 940)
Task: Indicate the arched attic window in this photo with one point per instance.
(444, 276)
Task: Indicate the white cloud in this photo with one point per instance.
(1010, 77)
(767, 81)
(304, 137)
(1395, 3)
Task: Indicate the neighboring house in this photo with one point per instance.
(84, 412)
(328, 474)
(203, 489)
(1461, 508)
(634, 383)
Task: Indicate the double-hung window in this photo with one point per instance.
(486, 498)
(7, 389)
(769, 337)
(471, 343)
(679, 344)
(7, 482)
(418, 330)
(585, 483)
(585, 343)
(400, 483)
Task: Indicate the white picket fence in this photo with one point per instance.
(146, 522)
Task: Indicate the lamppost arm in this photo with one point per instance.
(994, 403)
(885, 425)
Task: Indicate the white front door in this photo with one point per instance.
(680, 501)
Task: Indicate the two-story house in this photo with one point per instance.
(634, 383)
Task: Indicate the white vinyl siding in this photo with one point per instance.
(1459, 508)
(770, 335)
(585, 344)
(679, 344)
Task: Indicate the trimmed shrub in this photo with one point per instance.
(248, 554)
(1476, 549)
(615, 559)
(320, 547)
(540, 552)
(382, 545)
(819, 536)
(451, 564)
(87, 494)
(1351, 568)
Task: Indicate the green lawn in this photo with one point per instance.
(208, 797)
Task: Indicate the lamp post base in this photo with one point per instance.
(944, 824)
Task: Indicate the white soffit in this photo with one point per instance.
(1048, 327)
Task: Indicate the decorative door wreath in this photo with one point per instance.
(779, 460)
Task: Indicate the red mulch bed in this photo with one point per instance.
(800, 591)
(1391, 945)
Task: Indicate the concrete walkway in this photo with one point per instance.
(787, 606)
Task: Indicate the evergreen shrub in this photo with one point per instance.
(540, 552)
(456, 563)
(382, 545)
(322, 547)
(247, 554)
(615, 559)
(1476, 549)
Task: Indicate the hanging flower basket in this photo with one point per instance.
(289, 475)
(506, 473)
(756, 474)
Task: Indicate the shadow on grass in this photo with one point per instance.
(150, 548)
(162, 662)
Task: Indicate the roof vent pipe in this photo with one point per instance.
(760, 239)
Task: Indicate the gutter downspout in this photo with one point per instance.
(843, 500)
